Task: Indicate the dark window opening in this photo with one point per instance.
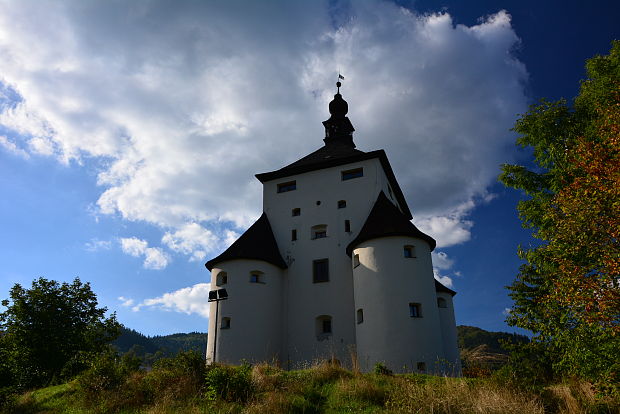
(422, 366)
(442, 303)
(318, 202)
(409, 252)
(347, 226)
(296, 212)
(287, 186)
(319, 232)
(221, 279)
(350, 174)
(294, 234)
(257, 277)
(360, 316)
(320, 271)
(342, 204)
(323, 326)
(415, 310)
(225, 323)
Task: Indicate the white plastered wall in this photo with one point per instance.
(254, 310)
(452, 364)
(385, 283)
(302, 299)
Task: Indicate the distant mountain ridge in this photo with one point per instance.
(470, 337)
(151, 348)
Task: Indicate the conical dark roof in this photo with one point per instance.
(257, 243)
(439, 287)
(385, 219)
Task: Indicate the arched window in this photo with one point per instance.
(319, 231)
(221, 279)
(442, 303)
(257, 277)
(409, 252)
(323, 327)
(360, 316)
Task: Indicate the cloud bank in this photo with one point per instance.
(177, 105)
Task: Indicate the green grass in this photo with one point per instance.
(324, 388)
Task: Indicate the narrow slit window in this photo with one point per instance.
(296, 212)
(320, 271)
(347, 226)
(415, 310)
(351, 174)
(287, 186)
(360, 316)
(356, 260)
(225, 323)
(342, 204)
(409, 252)
(294, 234)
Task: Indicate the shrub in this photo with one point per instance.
(229, 383)
(381, 369)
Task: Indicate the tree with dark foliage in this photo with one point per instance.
(51, 330)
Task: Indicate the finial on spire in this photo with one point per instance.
(338, 84)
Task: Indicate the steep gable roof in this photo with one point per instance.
(385, 219)
(257, 243)
(334, 155)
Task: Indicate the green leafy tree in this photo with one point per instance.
(50, 330)
(568, 291)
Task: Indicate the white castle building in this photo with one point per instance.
(333, 268)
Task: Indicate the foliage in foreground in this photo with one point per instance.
(185, 385)
(49, 332)
(568, 291)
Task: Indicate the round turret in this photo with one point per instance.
(249, 322)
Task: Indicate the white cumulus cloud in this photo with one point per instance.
(126, 302)
(181, 106)
(154, 257)
(193, 299)
(191, 239)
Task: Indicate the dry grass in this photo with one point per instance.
(325, 387)
(454, 395)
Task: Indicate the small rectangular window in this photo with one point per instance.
(296, 212)
(320, 271)
(441, 302)
(342, 204)
(360, 316)
(225, 323)
(347, 226)
(319, 232)
(327, 326)
(356, 260)
(257, 277)
(415, 310)
(293, 234)
(422, 366)
(409, 252)
(350, 174)
(287, 186)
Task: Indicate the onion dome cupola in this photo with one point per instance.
(338, 128)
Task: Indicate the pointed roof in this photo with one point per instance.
(384, 220)
(257, 243)
(441, 288)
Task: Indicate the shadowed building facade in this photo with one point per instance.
(334, 268)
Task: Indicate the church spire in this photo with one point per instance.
(338, 128)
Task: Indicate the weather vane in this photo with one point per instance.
(338, 84)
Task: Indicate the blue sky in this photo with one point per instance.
(130, 133)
